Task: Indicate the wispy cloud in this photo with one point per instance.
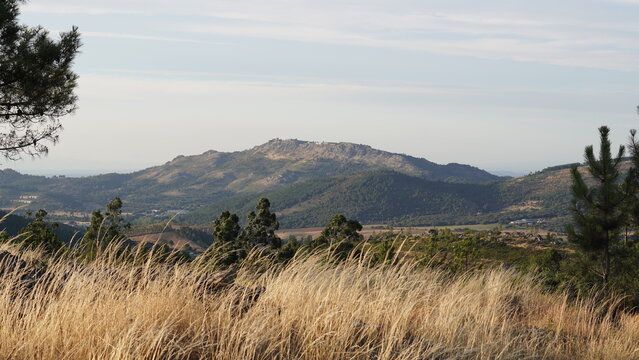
(596, 52)
(43, 8)
(148, 37)
(573, 40)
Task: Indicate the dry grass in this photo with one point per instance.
(308, 310)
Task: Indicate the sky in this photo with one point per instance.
(504, 85)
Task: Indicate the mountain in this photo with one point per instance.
(189, 182)
(307, 182)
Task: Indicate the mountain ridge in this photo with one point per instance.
(188, 182)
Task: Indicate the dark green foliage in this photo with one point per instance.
(598, 211)
(632, 205)
(226, 248)
(13, 224)
(105, 227)
(226, 228)
(465, 250)
(231, 244)
(395, 198)
(383, 252)
(36, 83)
(548, 265)
(340, 236)
(261, 225)
(93, 231)
(561, 167)
(289, 249)
(113, 218)
(224, 254)
(339, 229)
(163, 253)
(38, 233)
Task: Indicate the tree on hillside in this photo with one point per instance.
(226, 228)
(340, 236)
(261, 226)
(114, 219)
(597, 211)
(36, 84)
(38, 233)
(225, 249)
(339, 229)
(106, 226)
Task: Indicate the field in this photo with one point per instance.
(308, 309)
(178, 241)
(369, 230)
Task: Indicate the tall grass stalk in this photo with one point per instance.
(109, 308)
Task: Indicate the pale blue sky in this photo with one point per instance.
(503, 85)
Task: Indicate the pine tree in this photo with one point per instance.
(38, 233)
(226, 228)
(339, 229)
(598, 211)
(261, 226)
(105, 227)
(36, 83)
(340, 235)
(632, 205)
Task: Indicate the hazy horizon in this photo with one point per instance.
(501, 85)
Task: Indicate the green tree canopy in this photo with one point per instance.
(38, 233)
(36, 83)
(339, 229)
(108, 225)
(598, 211)
(261, 226)
(226, 228)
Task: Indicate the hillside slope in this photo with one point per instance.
(188, 182)
(307, 183)
(395, 198)
(371, 197)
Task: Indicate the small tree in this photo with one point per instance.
(225, 249)
(93, 230)
(339, 229)
(261, 226)
(114, 219)
(289, 249)
(383, 252)
(465, 250)
(105, 227)
(36, 83)
(597, 211)
(226, 228)
(38, 233)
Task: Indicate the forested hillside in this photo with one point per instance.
(307, 182)
(394, 198)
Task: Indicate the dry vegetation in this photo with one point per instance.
(307, 310)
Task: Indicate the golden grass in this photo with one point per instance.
(307, 310)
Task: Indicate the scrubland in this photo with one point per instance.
(311, 308)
